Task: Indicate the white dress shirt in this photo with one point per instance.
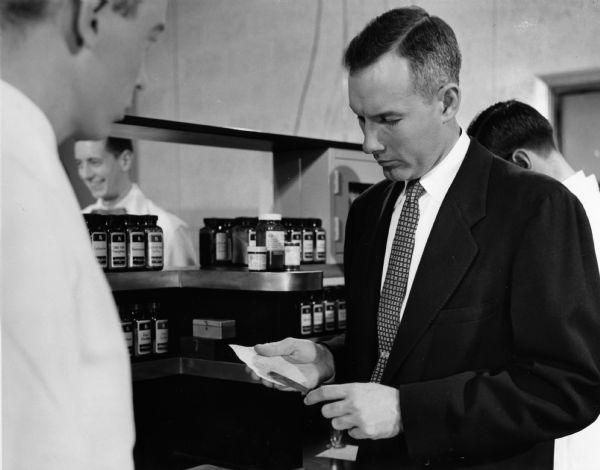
(178, 245)
(581, 451)
(66, 381)
(436, 183)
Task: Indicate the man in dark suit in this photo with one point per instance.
(472, 285)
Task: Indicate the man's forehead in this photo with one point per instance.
(89, 148)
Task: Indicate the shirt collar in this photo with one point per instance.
(437, 180)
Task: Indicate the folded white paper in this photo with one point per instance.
(262, 365)
(347, 452)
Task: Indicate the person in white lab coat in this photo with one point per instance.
(518, 133)
(69, 69)
(104, 167)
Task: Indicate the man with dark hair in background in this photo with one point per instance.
(104, 167)
(519, 134)
(69, 68)
(466, 345)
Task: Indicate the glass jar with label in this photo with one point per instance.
(142, 331)
(222, 242)
(160, 329)
(136, 247)
(206, 239)
(117, 243)
(243, 235)
(257, 258)
(97, 228)
(270, 233)
(318, 319)
(154, 243)
(340, 293)
(320, 238)
(308, 242)
(329, 309)
(127, 327)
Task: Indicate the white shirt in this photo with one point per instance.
(66, 382)
(178, 245)
(581, 451)
(436, 183)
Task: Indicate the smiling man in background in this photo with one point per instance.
(104, 166)
(69, 69)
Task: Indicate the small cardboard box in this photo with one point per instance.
(213, 329)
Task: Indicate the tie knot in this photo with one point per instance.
(414, 190)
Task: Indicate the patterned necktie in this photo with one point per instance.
(396, 278)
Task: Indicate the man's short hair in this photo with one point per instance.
(20, 12)
(427, 42)
(116, 145)
(508, 125)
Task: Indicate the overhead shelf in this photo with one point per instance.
(199, 134)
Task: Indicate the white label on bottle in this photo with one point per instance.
(257, 261)
(161, 336)
(118, 250)
(329, 315)
(155, 250)
(307, 246)
(341, 314)
(221, 246)
(292, 255)
(251, 237)
(143, 337)
(137, 255)
(320, 247)
(317, 317)
(100, 247)
(305, 319)
(274, 240)
(127, 327)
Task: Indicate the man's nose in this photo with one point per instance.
(85, 172)
(371, 143)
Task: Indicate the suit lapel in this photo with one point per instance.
(449, 252)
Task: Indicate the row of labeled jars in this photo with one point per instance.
(126, 242)
(323, 313)
(267, 242)
(146, 329)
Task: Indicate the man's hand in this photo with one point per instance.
(314, 360)
(367, 410)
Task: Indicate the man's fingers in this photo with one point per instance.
(326, 393)
(284, 347)
(356, 433)
(333, 410)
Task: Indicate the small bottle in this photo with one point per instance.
(241, 231)
(117, 243)
(329, 309)
(127, 327)
(222, 242)
(306, 325)
(136, 248)
(206, 239)
(160, 329)
(291, 258)
(308, 242)
(96, 224)
(320, 237)
(270, 233)
(341, 308)
(142, 332)
(317, 313)
(154, 243)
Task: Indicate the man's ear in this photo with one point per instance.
(449, 97)
(125, 160)
(520, 157)
(85, 21)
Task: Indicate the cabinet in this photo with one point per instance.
(203, 409)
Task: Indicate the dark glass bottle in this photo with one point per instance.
(160, 329)
(117, 243)
(97, 228)
(154, 243)
(206, 239)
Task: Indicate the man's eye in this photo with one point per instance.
(391, 122)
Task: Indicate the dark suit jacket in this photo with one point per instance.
(498, 351)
